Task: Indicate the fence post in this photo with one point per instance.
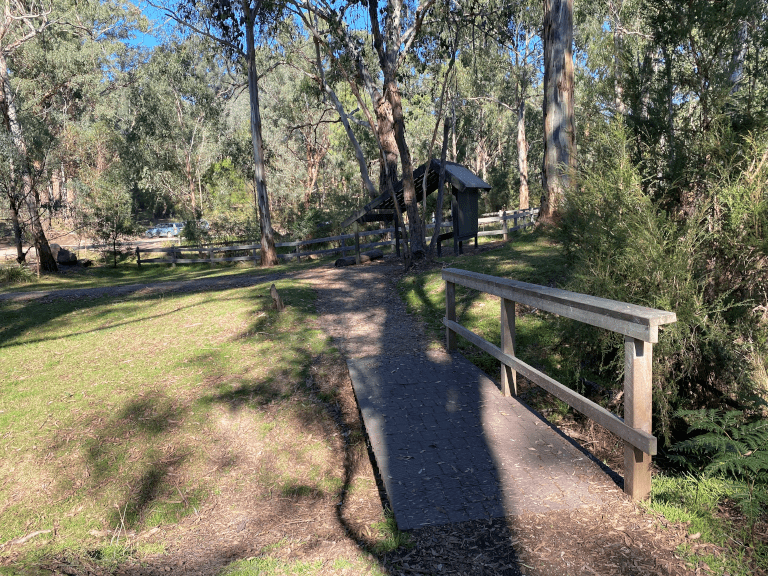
(210, 254)
(173, 256)
(253, 250)
(357, 243)
(138, 256)
(517, 213)
(508, 375)
(298, 258)
(450, 314)
(504, 225)
(638, 368)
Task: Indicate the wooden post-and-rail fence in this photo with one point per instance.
(251, 252)
(638, 324)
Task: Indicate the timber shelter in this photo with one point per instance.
(465, 191)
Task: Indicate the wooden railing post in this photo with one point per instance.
(504, 225)
(450, 314)
(357, 243)
(138, 256)
(508, 375)
(637, 414)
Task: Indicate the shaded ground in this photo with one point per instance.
(360, 308)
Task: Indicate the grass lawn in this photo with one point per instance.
(121, 416)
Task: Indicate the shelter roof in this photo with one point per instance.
(460, 178)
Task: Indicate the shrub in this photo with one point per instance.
(15, 275)
(705, 268)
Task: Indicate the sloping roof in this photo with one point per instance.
(457, 175)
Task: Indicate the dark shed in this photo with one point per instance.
(465, 188)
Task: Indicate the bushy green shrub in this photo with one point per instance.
(15, 275)
(705, 267)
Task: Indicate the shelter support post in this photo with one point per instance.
(637, 414)
(508, 375)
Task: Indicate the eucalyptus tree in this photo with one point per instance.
(393, 30)
(235, 27)
(21, 23)
(54, 58)
(559, 121)
(172, 119)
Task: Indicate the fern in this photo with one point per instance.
(728, 444)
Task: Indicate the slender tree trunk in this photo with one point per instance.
(268, 252)
(385, 128)
(29, 191)
(416, 230)
(440, 185)
(559, 124)
(615, 7)
(522, 156)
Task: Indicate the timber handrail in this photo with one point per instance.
(639, 326)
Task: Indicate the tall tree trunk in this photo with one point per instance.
(29, 191)
(559, 124)
(385, 129)
(615, 7)
(522, 155)
(268, 252)
(416, 230)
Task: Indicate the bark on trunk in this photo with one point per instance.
(559, 126)
(440, 184)
(522, 156)
(29, 192)
(268, 252)
(416, 230)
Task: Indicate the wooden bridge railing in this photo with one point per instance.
(639, 325)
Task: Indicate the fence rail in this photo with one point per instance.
(639, 325)
(251, 252)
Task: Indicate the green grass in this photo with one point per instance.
(109, 409)
(697, 502)
(128, 273)
(529, 257)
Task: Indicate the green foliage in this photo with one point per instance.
(621, 246)
(729, 444)
(15, 275)
(390, 536)
(698, 502)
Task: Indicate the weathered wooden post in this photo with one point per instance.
(638, 379)
(517, 213)
(504, 225)
(508, 375)
(138, 256)
(173, 257)
(357, 243)
(253, 252)
(450, 314)
(210, 255)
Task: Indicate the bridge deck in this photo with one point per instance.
(451, 448)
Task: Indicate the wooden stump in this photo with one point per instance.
(276, 300)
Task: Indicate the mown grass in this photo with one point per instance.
(529, 257)
(704, 503)
(127, 272)
(113, 412)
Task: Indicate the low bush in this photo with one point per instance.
(15, 275)
(708, 267)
